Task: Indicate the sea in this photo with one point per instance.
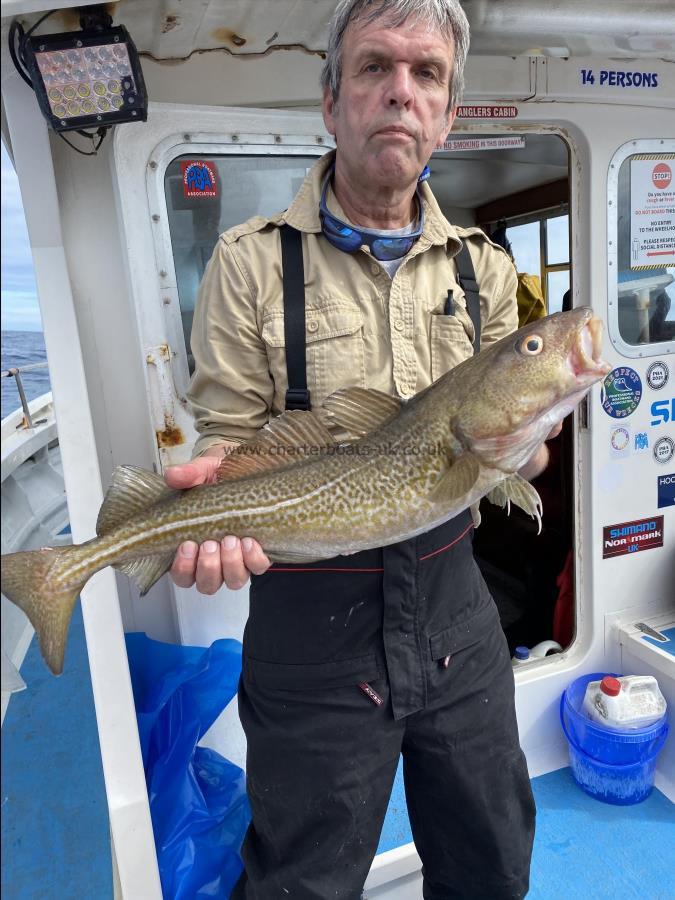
(20, 348)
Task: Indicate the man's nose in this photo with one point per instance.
(400, 87)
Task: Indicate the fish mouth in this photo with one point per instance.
(584, 359)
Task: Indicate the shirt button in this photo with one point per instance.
(313, 325)
(375, 269)
(406, 391)
(399, 324)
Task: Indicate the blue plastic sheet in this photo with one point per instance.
(197, 798)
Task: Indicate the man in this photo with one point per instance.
(353, 661)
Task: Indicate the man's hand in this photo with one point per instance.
(210, 565)
(539, 459)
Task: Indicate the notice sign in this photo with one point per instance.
(487, 112)
(630, 537)
(652, 212)
(483, 143)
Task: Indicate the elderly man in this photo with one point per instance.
(351, 662)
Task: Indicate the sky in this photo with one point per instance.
(20, 311)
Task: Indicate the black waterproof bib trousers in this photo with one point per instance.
(353, 661)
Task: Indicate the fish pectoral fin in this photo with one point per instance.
(457, 481)
(147, 570)
(289, 438)
(515, 489)
(356, 411)
(131, 491)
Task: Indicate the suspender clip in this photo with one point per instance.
(298, 398)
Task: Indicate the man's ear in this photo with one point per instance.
(448, 125)
(328, 105)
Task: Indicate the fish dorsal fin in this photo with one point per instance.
(358, 411)
(293, 436)
(131, 491)
(516, 489)
(147, 570)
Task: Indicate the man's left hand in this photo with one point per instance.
(539, 459)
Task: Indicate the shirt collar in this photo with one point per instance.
(303, 213)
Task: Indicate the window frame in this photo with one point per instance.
(635, 147)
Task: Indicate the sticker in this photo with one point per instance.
(487, 112)
(664, 449)
(663, 411)
(630, 537)
(199, 178)
(507, 142)
(652, 212)
(620, 78)
(641, 442)
(621, 392)
(666, 490)
(657, 375)
(619, 441)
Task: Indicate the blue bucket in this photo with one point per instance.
(613, 766)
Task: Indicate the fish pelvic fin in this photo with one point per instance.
(31, 580)
(516, 489)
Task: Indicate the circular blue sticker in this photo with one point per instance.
(621, 392)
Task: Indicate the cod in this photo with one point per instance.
(365, 471)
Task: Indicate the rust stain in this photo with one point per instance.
(170, 23)
(227, 36)
(171, 436)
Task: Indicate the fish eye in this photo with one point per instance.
(532, 345)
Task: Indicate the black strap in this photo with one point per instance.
(466, 275)
(297, 395)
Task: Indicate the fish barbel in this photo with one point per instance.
(366, 471)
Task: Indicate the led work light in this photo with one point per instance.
(87, 78)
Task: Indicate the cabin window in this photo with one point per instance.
(516, 187)
(223, 191)
(642, 246)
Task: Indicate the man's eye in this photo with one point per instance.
(428, 74)
(372, 67)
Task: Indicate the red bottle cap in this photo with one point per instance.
(610, 686)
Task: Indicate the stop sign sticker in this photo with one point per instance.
(662, 176)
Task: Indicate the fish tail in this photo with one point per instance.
(32, 580)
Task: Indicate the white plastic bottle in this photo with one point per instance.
(523, 655)
(632, 701)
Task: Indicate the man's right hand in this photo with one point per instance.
(213, 563)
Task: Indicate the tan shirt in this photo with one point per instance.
(362, 327)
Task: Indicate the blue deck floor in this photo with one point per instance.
(55, 839)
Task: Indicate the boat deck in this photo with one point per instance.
(55, 837)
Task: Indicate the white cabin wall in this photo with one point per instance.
(111, 349)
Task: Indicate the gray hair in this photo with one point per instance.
(446, 16)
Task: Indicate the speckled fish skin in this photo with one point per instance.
(446, 448)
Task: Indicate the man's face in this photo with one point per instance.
(392, 107)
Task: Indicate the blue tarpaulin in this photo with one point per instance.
(197, 799)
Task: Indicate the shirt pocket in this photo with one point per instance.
(451, 342)
(334, 350)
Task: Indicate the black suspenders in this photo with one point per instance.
(466, 275)
(297, 395)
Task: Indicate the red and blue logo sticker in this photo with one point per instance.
(621, 392)
(199, 178)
